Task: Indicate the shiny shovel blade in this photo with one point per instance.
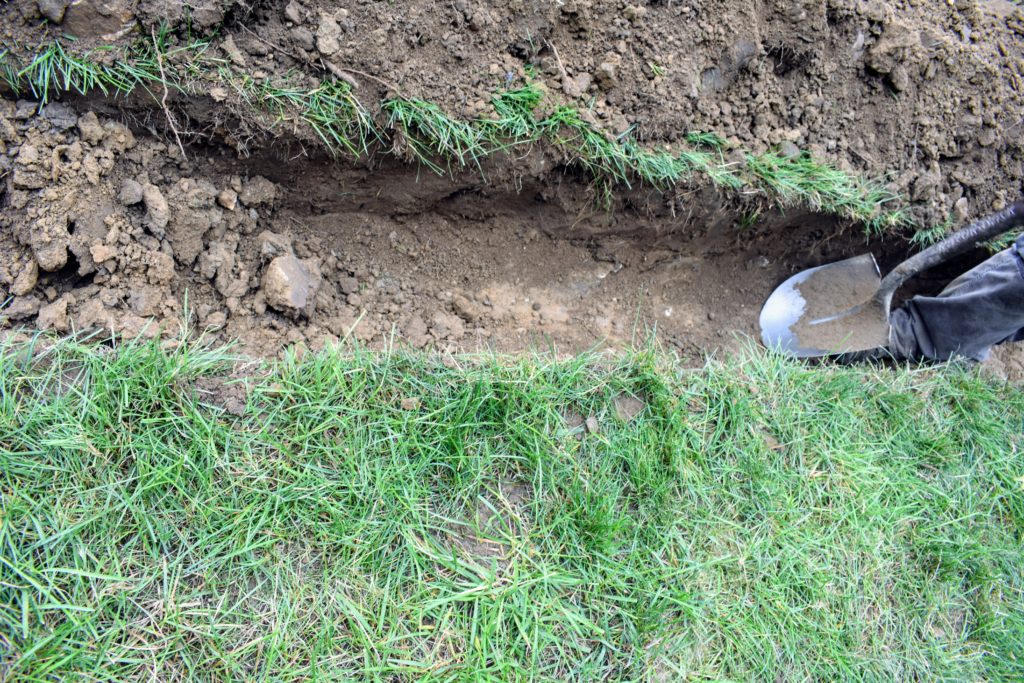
(827, 310)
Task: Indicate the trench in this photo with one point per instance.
(513, 256)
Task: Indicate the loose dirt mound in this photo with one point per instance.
(267, 239)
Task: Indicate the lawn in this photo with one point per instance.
(177, 514)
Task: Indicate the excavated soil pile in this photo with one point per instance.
(269, 239)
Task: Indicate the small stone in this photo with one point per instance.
(99, 18)
(130, 192)
(229, 47)
(49, 240)
(293, 12)
(24, 110)
(788, 150)
(89, 128)
(328, 34)
(607, 75)
(899, 78)
(415, 332)
(410, 403)
(348, 285)
(273, 244)
(216, 320)
(102, 252)
(53, 10)
(627, 407)
(54, 316)
(228, 199)
(578, 86)
(290, 285)
(258, 190)
(465, 308)
(962, 209)
(158, 212)
(303, 37)
(635, 13)
(59, 115)
(22, 307)
(592, 425)
(26, 280)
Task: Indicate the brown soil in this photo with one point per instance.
(106, 226)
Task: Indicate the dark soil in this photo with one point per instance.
(267, 240)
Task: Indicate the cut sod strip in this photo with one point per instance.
(360, 516)
(424, 132)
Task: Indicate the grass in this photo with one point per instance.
(394, 517)
(422, 131)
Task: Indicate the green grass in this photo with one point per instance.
(421, 131)
(758, 520)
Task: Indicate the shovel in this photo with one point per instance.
(843, 307)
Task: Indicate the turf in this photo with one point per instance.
(400, 517)
(422, 131)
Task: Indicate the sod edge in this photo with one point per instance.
(422, 131)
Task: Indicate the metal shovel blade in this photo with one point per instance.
(827, 310)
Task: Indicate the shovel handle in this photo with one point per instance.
(960, 241)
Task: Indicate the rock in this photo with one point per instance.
(207, 14)
(627, 407)
(28, 172)
(26, 280)
(145, 300)
(468, 310)
(788, 150)
(228, 199)
(89, 128)
(105, 19)
(961, 209)
(348, 285)
(117, 137)
(635, 14)
(926, 183)
(607, 73)
(53, 10)
(130, 193)
(293, 12)
(94, 315)
(899, 78)
(158, 214)
(159, 267)
(59, 115)
(54, 316)
(892, 48)
(447, 326)
(90, 221)
(229, 47)
(22, 307)
(290, 285)
(102, 252)
(303, 37)
(258, 190)
(216, 320)
(328, 35)
(415, 332)
(578, 86)
(24, 110)
(49, 241)
(273, 244)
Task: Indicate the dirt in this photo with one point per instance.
(266, 240)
